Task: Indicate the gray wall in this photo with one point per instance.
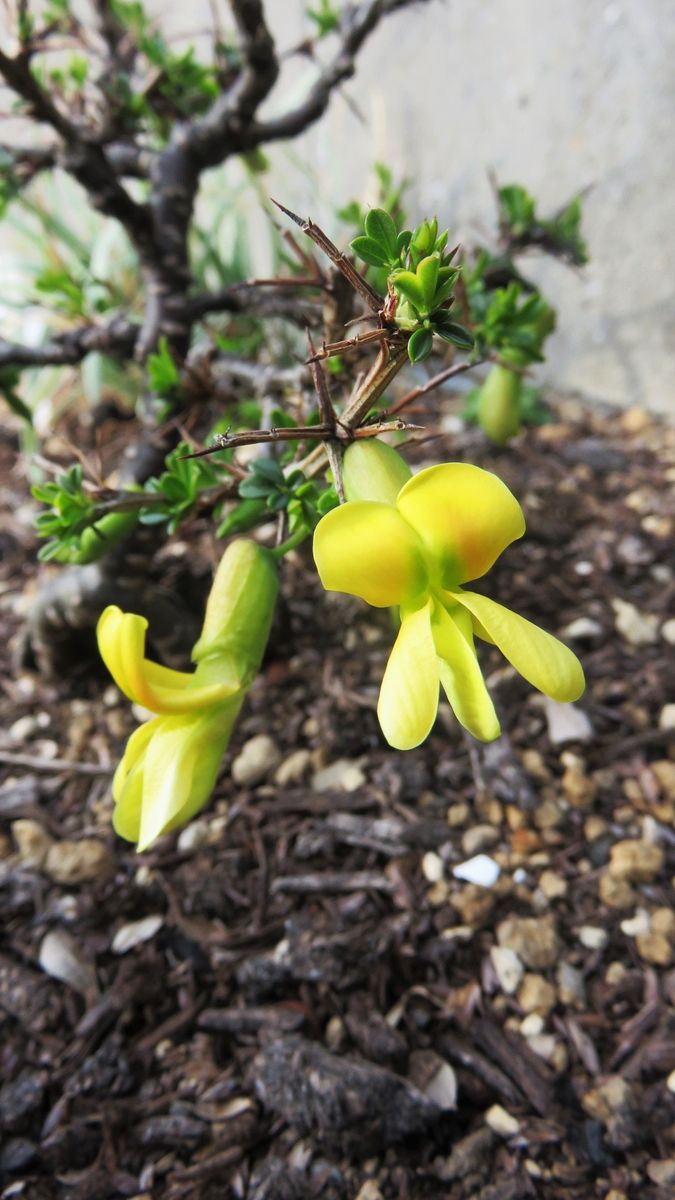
(557, 96)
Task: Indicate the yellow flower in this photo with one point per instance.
(171, 763)
(416, 549)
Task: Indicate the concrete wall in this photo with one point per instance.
(557, 96)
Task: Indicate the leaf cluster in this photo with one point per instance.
(420, 279)
(515, 325)
(176, 491)
(75, 530)
(269, 490)
(520, 223)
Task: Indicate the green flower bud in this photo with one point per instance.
(240, 607)
(499, 404)
(372, 470)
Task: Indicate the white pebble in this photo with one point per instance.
(480, 869)
(634, 926)
(508, 968)
(135, 932)
(592, 937)
(501, 1122)
(432, 867)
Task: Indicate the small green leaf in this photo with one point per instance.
(420, 345)
(408, 284)
(370, 252)
(427, 277)
(381, 229)
(450, 331)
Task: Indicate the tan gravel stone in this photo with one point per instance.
(33, 842)
(534, 939)
(654, 948)
(553, 886)
(635, 861)
(579, 788)
(594, 828)
(479, 837)
(664, 770)
(79, 862)
(536, 995)
(662, 920)
(615, 893)
(458, 815)
(474, 904)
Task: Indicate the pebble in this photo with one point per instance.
(501, 1122)
(543, 1044)
(638, 629)
(635, 861)
(474, 904)
(481, 869)
(432, 867)
(369, 1191)
(344, 773)
(615, 893)
(662, 920)
(668, 631)
(654, 948)
(507, 967)
(136, 932)
(457, 815)
(664, 770)
(23, 729)
(593, 937)
(33, 842)
(257, 759)
(553, 886)
(661, 1171)
(532, 1025)
(571, 986)
(633, 926)
(61, 958)
(193, 837)
(293, 768)
(594, 828)
(667, 717)
(534, 939)
(79, 862)
(583, 627)
(670, 1082)
(479, 837)
(537, 995)
(566, 723)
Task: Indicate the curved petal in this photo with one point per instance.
(409, 694)
(368, 550)
(180, 767)
(462, 679)
(538, 656)
(465, 516)
(121, 642)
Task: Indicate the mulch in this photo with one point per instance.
(298, 998)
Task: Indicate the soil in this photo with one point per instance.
(297, 996)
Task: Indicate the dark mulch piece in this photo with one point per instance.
(310, 993)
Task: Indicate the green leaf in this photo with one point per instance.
(420, 345)
(408, 285)
(380, 228)
(450, 331)
(427, 277)
(370, 252)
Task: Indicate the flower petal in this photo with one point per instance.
(538, 656)
(121, 642)
(409, 694)
(462, 678)
(180, 768)
(465, 516)
(368, 550)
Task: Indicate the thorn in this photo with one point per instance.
(294, 216)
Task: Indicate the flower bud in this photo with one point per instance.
(499, 404)
(239, 608)
(372, 470)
